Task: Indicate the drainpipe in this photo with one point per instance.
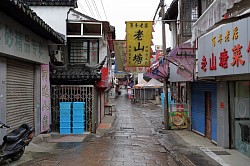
(100, 107)
(229, 116)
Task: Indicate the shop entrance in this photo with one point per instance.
(208, 115)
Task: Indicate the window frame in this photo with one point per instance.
(82, 40)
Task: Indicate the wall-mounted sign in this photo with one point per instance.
(18, 41)
(225, 50)
(45, 98)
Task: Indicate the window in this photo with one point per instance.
(93, 29)
(242, 116)
(83, 51)
(73, 29)
(189, 16)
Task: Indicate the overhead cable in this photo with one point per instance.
(104, 11)
(90, 9)
(96, 9)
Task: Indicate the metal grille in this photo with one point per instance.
(20, 93)
(189, 16)
(72, 93)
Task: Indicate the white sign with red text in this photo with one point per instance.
(225, 50)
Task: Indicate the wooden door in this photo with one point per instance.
(208, 114)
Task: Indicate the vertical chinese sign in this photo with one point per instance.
(139, 35)
(120, 53)
(45, 98)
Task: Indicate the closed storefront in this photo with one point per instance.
(24, 81)
(204, 107)
(20, 93)
(227, 62)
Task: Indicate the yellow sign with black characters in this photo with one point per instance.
(139, 34)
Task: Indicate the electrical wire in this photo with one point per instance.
(157, 10)
(104, 11)
(82, 8)
(96, 9)
(158, 7)
(90, 9)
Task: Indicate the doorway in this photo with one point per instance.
(208, 115)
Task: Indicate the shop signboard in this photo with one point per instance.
(18, 41)
(138, 36)
(178, 120)
(119, 74)
(225, 50)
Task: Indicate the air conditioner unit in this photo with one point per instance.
(58, 55)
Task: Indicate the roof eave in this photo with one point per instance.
(26, 17)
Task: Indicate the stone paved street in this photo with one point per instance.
(136, 138)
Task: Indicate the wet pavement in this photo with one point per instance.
(136, 138)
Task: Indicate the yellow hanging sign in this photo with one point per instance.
(138, 37)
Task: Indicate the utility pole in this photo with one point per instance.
(166, 113)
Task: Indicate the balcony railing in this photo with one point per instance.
(211, 16)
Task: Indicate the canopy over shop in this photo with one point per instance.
(148, 90)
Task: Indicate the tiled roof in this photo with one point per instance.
(84, 75)
(25, 16)
(73, 76)
(172, 11)
(71, 3)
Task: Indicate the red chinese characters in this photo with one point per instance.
(213, 62)
(223, 59)
(204, 64)
(237, 55)
(248, 48)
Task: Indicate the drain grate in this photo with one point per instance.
(221, 152)
(126, 128)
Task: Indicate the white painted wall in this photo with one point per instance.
(103, 50)
(55, 17)
(173, 35)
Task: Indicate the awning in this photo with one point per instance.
(182, 49)
(180, 61)
(181, 68)
(141, 84)
(158, 69)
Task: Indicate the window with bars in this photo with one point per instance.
(83, 51)
(189, 16)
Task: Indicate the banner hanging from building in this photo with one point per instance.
(138, 35)
(120, 54)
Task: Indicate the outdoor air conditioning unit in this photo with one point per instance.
(58, 55)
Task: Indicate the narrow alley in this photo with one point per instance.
(136, 138)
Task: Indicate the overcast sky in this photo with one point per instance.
(117, 12)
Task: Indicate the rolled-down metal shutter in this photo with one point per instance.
(20, 93)
(198, 107)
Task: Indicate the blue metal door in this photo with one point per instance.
(198, 113)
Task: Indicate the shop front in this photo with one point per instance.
(223, 57)
(24, 59)
(242, 117)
